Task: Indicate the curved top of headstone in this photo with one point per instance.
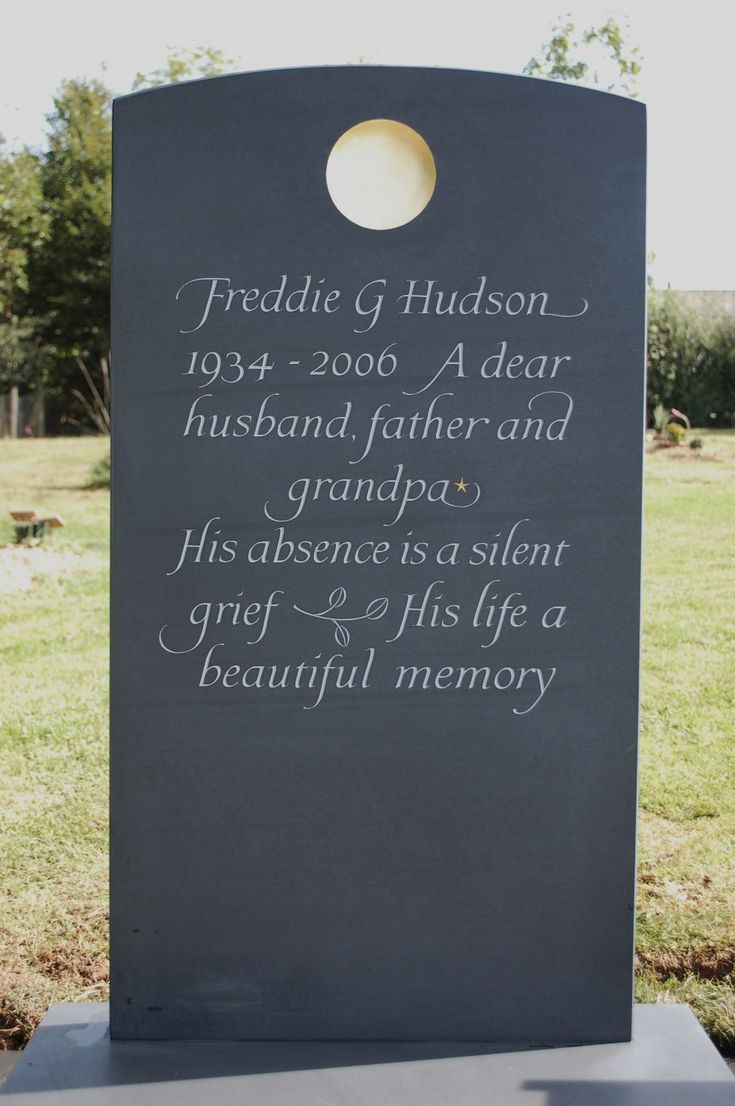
(365, 74)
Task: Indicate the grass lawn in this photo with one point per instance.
(686, 876)
(53, 736)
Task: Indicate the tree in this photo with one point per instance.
(70, 274)
(572, 55)
(203, 61)
(23, 228)
(69, 271)
(22, 225)
(691, 352)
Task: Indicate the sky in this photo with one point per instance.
(686, 81)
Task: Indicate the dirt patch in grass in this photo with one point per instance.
(714, 964)
(73, 966)
(73, 970)
(15, 1029)
(63, 974)
(18, 1016)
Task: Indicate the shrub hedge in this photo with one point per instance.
(691, 358)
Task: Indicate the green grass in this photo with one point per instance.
(53, 743)
(686, 886)
(53, 735)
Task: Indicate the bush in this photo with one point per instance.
(691, 359)
(100, 475)
(676, 433)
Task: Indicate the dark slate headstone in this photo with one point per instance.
(376, 549)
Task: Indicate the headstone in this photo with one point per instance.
(376, 541)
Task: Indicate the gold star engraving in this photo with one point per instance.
(460, 485)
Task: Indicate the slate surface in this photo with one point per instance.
(7, 1063)
(388, 863)
(670, 1062)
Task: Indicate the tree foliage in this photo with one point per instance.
(55, 247)
(23, 228)
(598, 56)
(24, 359)
(691, 355)
(70, 275)
(186, 65)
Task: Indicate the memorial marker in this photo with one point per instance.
(376, 541)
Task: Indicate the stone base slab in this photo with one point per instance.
(71, 1060)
